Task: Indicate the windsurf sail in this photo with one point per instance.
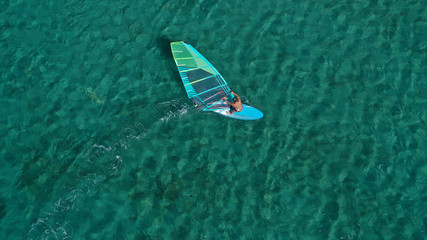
(202, 82)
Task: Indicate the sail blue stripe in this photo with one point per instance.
(209, 90)
(192, 69)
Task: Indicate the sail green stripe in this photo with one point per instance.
(199, 80)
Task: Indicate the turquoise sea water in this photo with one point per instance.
(99, 141)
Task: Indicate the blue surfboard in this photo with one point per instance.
(248, 112)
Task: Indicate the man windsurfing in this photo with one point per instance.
(236, 106)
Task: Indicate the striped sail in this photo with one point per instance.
(202, 82)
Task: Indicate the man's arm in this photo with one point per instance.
(225, 98)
